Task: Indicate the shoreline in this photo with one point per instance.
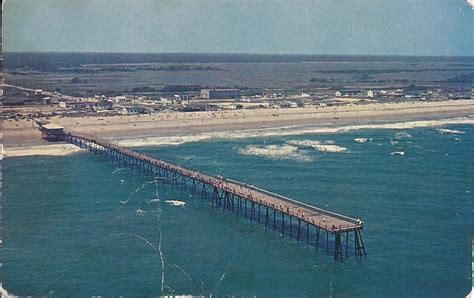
(64, 149)
(179, 123)
(294, 130)
(57, 149)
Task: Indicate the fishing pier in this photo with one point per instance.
(325, 230)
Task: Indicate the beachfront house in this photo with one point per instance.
(103, 105)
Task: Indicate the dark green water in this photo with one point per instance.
(66, 231)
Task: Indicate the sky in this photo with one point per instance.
(333, 27)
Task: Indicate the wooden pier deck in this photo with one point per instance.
(234, 196)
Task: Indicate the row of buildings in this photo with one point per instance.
(415, 93)
(220, 93)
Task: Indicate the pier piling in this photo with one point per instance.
(230, 193)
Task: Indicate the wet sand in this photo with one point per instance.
(23, 134)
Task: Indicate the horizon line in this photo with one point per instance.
(236, 53)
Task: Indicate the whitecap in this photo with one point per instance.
(294, 130)
(275, 151)
(175, 203)
(140, 212)
(403, 135)
(322, 146)
(398, 153)
(154, 201)
(330, 148)
(449, 131)
(310, 143)
(362, 140)
(164, 141)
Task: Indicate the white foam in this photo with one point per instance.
(140, 212)
(275, 151)
(362, 140)
(450, 131)
(330, 148)
(166, 141)
(398, 153)
(4, 292)
(117, 170)
(322, 146)
(50, 150)
(287, 131)
(403, 135)
(154, 201)
(175, 203)
(310, 143)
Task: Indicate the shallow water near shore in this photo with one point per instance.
(81, 225)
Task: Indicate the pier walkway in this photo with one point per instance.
(289, 216)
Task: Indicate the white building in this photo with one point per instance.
(305, 94)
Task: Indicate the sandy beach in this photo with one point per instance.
(22, 137)
(50, 149)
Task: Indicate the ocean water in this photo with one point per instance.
(81, 225)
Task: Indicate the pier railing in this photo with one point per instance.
(264, 191)
(247, 200)
(316, 209)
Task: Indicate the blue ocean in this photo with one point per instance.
(80, 225)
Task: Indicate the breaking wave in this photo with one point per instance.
(275, 151)
(403, 135)
(401, 153)
(449, 131)
(362, 140)
(286, 131)
(322, 146)
(164, 141)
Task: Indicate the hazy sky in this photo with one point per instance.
(384, 27)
